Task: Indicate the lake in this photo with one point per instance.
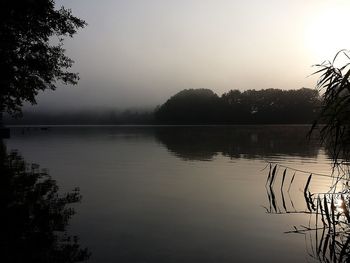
(183, 193)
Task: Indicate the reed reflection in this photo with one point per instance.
(327, 234)
(35, 216)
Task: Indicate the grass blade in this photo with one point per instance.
(345, 209)
(283, 177)
(291, 181)
(273, 175)
(326, 210)
(307, 184)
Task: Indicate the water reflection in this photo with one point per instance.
(328, 238)
(198, 142)
(144, 205)
(203, 143)
(327, 234)
(34, 216)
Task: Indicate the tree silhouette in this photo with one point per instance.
(32, 57)
(189, 106)
(268, 106)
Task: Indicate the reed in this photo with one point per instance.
(329, 211)
(329, 234)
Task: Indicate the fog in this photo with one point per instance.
(136, 53)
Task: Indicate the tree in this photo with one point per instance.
(267, 106)
(32, 57)
(189, 106)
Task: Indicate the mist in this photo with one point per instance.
(136, 54)
(199, 131)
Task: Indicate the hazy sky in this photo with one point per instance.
(137, 53)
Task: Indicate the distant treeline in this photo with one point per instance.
(200, 106)
(269, 106)
(88, 117)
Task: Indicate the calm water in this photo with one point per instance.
(179, 194)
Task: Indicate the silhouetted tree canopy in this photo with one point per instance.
(269, 106)
(189, 106)
(32, 57)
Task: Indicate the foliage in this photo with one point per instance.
(31, 59)
(190, 106)
(269, 106)
(335, 85)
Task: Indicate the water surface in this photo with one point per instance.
(178, 194)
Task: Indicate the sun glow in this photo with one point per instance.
(327, 32)
(339, 204)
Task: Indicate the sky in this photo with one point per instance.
(138, 53)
